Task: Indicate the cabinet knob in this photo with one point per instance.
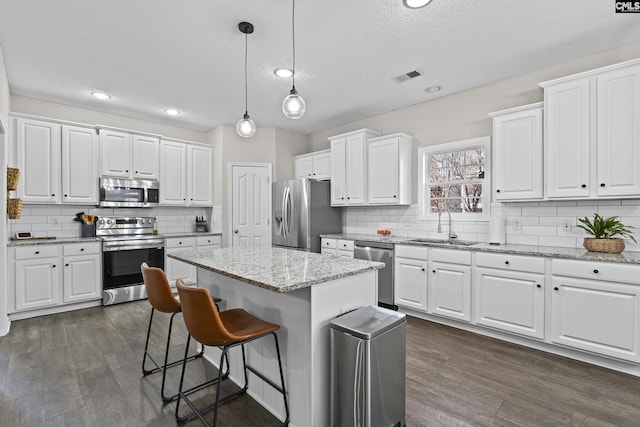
(596, 271)
(602, 184)
(192, 199)
(395, 197)
(66, 265)
(127, 171)
(235, 231)
(497, 191)
(136, 171)
(81, 249)
(434, 271)
(538, 285)
(555, 288)
(584, 186)
(506, 262)
(54, 266)
(341, 198)
(314, 173)
(344, 244)
(422, 269)
(179, 243)
(37, 252)
(208, 241)
(66, 195)
(53, 195)
(348, 198)
(184, 199)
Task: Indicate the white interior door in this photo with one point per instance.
(250, 205)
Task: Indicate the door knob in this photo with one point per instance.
(235, 231)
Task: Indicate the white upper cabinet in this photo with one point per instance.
(125, 155)
(316, 165)
(186, 174)
(37, 152)
(349, 167)
(389, 169)
(517, 141)
(80, 155)
(592, 135)
(200, 172)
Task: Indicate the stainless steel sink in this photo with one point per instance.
(452, 242)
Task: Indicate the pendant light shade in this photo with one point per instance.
(293, 105)
(245, 127)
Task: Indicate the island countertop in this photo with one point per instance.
(275, 269)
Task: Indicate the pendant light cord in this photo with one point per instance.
(293, 38)
(246, 96)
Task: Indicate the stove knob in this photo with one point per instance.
(109, 221)
(101, 221)
(148, 220)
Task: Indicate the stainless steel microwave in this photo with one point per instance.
(129, 193)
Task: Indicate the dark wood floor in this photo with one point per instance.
(83, 369)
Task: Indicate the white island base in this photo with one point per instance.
(304, 316)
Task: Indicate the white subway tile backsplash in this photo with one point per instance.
(615, 202)
(539, 211)
(566, 242)
(630, 210)
(538, 230)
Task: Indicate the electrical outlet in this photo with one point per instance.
(517, 225)
(566, 225)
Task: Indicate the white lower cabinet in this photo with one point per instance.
(594, 310)
(410, 276)
(53, 275)
(175, 269)
(340, 247)
(509, 298)
(450, 284)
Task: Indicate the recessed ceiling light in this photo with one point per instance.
(172, 111)
(283, 72)
(415, 4)
(100, 95)
(433, 89)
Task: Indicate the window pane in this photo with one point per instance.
(456, 198)
(457, 165)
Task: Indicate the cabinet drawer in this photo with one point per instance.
(81, 249)
(607, 271)
(414, 252)
(329, 243)
(344, 245)
(451, 256)
(510, 262)
(208, 240)
(36, 251)
(180, 243)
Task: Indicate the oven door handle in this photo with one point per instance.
(129, 247)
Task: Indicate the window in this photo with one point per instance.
(455, 177)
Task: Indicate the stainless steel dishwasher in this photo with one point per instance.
(380, 252)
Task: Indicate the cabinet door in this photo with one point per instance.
(82, 278)
(618, 93)
(80, 156)
(510, 301)
(410, 283)
(201, 176)
(568, 136)
(38, 158)
(175, 269)
(383, 171)
(115, 153)
(322, 165)
(338, 168)
(146, 157)
(37, 283)
(601, 317)
(355, 167)
(450, 290)
(173, 173)
(517, 139)
(303, 167)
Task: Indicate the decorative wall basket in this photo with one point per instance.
(14, 208)
(13, 174)
(609, 246)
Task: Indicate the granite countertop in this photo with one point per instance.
(189, 234)
(276, 269)
(57, 241)
(533, 250)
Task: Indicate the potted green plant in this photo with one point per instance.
(603, 231)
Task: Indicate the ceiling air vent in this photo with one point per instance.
(407, 76)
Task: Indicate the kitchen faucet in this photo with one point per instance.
(452, 235)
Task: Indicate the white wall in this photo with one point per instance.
(38, 107)
(4, 123)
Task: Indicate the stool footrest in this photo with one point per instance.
(265, 379)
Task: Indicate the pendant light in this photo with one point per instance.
(293, 105)
(245, 126)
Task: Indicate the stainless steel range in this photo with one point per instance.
(127, 243)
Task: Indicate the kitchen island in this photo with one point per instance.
(302, 292)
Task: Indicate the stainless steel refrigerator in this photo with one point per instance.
(301, 212)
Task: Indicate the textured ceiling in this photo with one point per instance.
(156, 54)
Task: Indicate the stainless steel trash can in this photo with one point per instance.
(368, 368)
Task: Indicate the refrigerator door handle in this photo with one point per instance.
(285, 217)
(288, 210)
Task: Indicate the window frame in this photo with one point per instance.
(424, 197)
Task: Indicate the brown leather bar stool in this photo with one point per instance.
(162, 299)
(224, 329)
